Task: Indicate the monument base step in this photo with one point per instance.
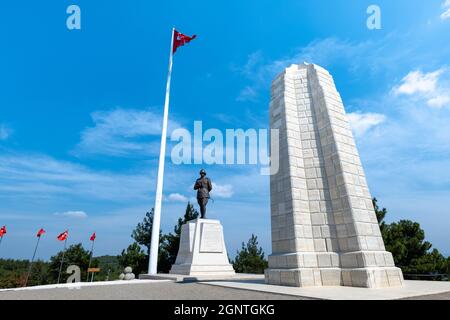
(199, 270)
(379, 277)
(205, 277)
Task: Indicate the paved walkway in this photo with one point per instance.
(165, 290)
(410, 289)
(439, 296)
(221, 290)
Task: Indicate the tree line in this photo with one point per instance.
(405, 239)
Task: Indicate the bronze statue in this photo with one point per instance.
(203, 186)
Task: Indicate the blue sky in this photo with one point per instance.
(80, 110)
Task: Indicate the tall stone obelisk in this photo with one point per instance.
(324, 228)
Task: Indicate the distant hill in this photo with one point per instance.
(108, 263)
(107, 260)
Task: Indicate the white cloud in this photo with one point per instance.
(439, 101)
(121, 132)
(37, 176)
(359, 57)
(247, 94)
(446, 14)
(222, 191)
(176, 197)
(72, 214)
(418, 82)
(5, 132)
(407, 161)
(363, 122)
(429, 87)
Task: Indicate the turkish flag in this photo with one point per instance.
(92, 238)
(2, 231)
(180, 39)
(40, 233)
(63, 236)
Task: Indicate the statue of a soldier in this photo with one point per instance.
(203, 186)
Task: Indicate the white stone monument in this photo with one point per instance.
(202, 250)
(324, 228)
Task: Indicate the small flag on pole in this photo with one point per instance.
(92, 238)
(2, 231)
(180, 39)
(63, 236)
(40, 233)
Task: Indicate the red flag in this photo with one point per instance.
(40, 233)
(180, 39)
(92, 238)
(2, 231)
(63, 236)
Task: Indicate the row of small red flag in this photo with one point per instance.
(61, 237)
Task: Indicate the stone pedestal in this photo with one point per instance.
(324, 228)
(202, 250)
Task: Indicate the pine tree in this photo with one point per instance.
(135, 258)
(142, 235)
(74, 255)
(381, 214)
(406, 241)
(251, 258)
(143, 232)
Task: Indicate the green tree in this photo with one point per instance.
(13, 273)
(406, 241)
(251, 258)
(40, 274)
(171, 242)
(75, 255)
(135, 258)
(142, 234)
(109, 268)
(431, 262)
(381, 214)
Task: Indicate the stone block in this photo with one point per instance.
(331, 277)
(310, 260)
(287, 278)
(324, 260)
(349, 260)
(320, 245)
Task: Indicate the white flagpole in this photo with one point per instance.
(62, 260)
(154, 245)
(90, 259)
(31, 262)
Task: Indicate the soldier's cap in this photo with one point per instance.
(203, 171)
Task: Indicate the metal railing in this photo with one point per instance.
(434, 276)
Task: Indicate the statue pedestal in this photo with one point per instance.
(202, 250)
